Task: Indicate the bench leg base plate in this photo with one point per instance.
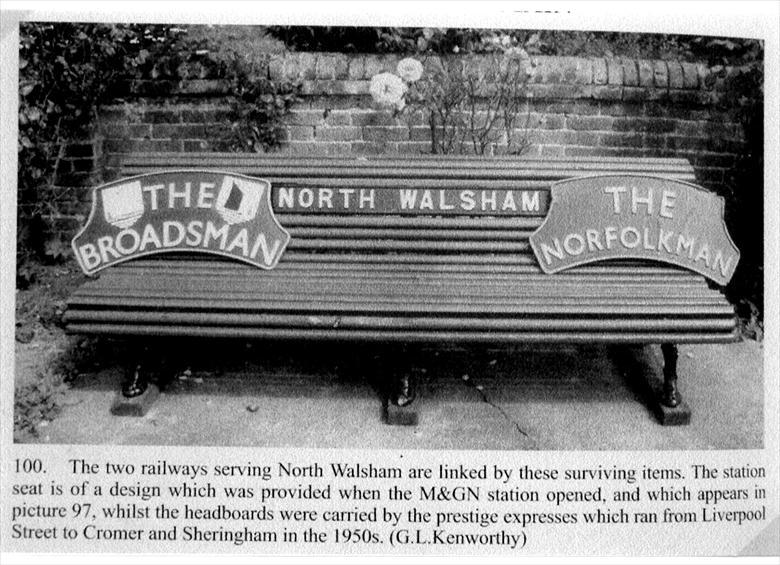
(394, 415)
(679, 415)
(136, 406)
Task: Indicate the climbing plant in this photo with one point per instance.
(66, 71)
(472, 104)
(258, 105)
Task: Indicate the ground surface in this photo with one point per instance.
(327, 396)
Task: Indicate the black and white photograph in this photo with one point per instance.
(391, 181)
(420, 268)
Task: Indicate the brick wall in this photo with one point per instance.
(576, 106)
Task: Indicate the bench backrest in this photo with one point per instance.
(477, 211)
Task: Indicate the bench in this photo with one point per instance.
(442, 274)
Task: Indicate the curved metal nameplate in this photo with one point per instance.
(604, 217)
(201, 211)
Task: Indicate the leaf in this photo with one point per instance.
(56, 249)
(34, 114)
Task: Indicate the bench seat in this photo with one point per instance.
(403, 301)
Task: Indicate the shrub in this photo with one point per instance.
(472, 103)
(258, 106)
(37, 401)
(407, 40)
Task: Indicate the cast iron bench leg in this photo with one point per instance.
(138, 392)
(137, 382)
(399, 392)
(661, 395)
(671, 396)
(671, 409)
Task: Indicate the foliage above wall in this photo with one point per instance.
(405, 40)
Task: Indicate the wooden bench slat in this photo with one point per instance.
(428, 294)
(486, 224)
(493, 337)
(407, 234)
(83, 308)
(406, 245)
(322, 266)
(368, 283)
(438, 176)
(439, 304)
(315, 265)
(432, 180)
(216, 282)
(465, 259)
(407, 162)
(416, 323)
(138, 277)
(498, 160)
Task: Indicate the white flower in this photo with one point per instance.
(387, 89)
(409, 69)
